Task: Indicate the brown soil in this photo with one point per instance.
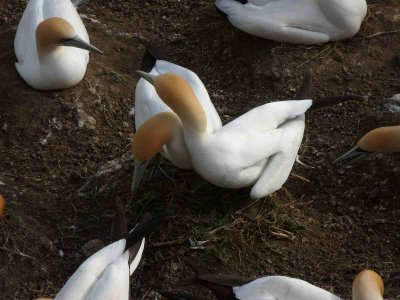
(53, 145)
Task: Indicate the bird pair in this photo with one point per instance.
(174, 115)
(367, 285)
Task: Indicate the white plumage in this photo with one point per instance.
(281, 288)
(60, 66)
(104, 275)
(259, 148)
(297, 21)
(148, 104)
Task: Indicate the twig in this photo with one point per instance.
(300, 177)
(18, 253)
(282, 233)
(168, 243)
(380, 33)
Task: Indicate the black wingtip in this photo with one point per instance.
(145, 229)
(305, 89)
(151, 55)
(119, 227)
(334, 100)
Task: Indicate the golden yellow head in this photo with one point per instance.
(368, 285)
(153, 134)
(51, 31)
(2, 206)
(177, 93)
(383, 139)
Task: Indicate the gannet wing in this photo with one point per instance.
(267, 117)
(278, 168)
(80, 283)
(113, 283)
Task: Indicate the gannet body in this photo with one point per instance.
(258, 148)
(379, 140)
(46, 45)
(231, 287)
(296, 21)
(152, 113)
(105, 275)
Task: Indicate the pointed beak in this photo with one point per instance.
(351, 156)
(147, 76)
(140, 167)
(77, 42)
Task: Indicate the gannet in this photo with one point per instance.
(257, 149)
(296, 21)
(158, 129)
(367, 285)
(105, 275)
(46, 45)
(379, 140)
(228, 287)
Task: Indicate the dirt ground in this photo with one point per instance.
(65, 156)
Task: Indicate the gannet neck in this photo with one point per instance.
(383, 139)
(368, 285)
(153, 134)
(176, 92)
(50, 32)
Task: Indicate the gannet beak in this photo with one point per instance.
(140, 167)
(147, 76)
(77, 42)
(353, 155)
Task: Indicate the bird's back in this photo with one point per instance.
(281, 288)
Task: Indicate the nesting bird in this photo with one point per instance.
(158, 129)
(229, 287)
(379, 140)
(105, 275)
(257, 149)
(51, 45)
(296, 21)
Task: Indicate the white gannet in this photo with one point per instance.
(259, 148)
(46, 45)
(379, 140)
(158, 129)
(228, 287)
(368, 285)
(105, 275)
(296, 21)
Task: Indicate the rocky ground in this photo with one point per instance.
(65, 155)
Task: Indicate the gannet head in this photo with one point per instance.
(149, 138)
(177, 93)
(59, 32)
(368, 285)
(381, 140)
(2, 206)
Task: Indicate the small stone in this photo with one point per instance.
(92, 247)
